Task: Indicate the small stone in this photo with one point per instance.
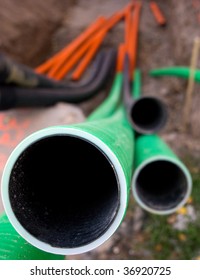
(191, 213)
(116, 250)
(181, 222)
(138, 219)
(172, 219)
(164, 91)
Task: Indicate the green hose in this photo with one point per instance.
(14, 247)
(182, 72)
(136, 86)
(107, 108)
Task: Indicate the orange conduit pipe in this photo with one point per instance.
(128, 22)
(133, 38)
(76, 75)
(63, 68)
(69, 49)
(97, 41)
(51, 66)
(113, 20)
(157, 13)
(128, 35)
(120, 59)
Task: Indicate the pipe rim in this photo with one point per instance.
(138, 128)
(76, 132)
(171, 160)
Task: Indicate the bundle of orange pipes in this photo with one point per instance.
(79, 53)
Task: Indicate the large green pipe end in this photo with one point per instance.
(66, 189)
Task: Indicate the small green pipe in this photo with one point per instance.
(182, 72)
(151, 146)
(146, 114)
(136, 85)
(107, 108)
(161, 183)
(14, 247)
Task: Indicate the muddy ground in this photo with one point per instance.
(31, 31)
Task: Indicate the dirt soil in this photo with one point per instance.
(33, 30)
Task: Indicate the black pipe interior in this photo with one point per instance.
(64, 191)
(148, 114)
(161, 185)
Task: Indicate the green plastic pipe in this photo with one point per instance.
(161, 183)
(182, 72)
(146, 114)
(108, 107)
(16, 252)
(72, 181)
(136, 85)
(14, 247)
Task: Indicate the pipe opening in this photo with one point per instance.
(161, 185)
(148, 115)
(64, 191)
